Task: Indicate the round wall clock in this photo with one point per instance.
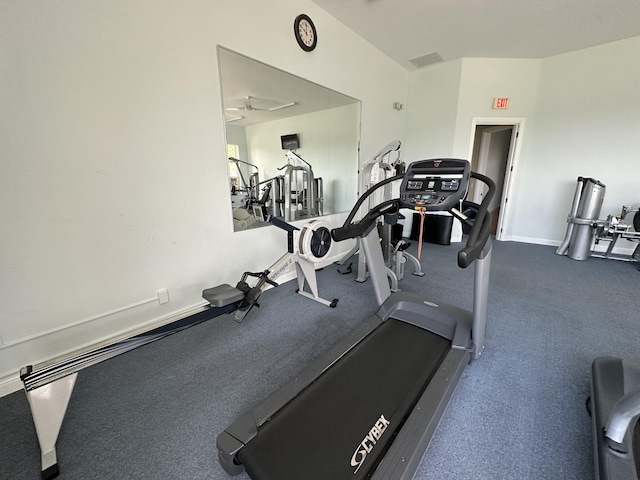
(305, 32)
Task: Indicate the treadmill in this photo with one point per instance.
(369, 406)
(615, 413)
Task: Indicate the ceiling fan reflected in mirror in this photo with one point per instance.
(249, 106)
(234, 119)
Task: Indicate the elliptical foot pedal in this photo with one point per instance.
(222, 295)
(401, 246)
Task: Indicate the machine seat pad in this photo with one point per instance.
(222, 295)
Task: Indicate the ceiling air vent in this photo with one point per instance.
(428, 59)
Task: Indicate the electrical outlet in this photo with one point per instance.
(163, 296)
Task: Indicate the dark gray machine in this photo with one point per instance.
(369, 407)
(585, 209)
(615, 410)
(585, 231)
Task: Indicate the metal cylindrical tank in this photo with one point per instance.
(589, 207)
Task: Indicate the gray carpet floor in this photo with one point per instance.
(518, 412)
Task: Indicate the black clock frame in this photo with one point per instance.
(296, 32)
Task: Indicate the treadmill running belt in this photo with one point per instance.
(342, 424)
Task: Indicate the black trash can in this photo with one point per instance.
(436, 229)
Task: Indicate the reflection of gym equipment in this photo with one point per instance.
(275, 205)
(585, 230)
(306, 247)
(369, 406)
(247, 193)
(393, 246)
(297, 194)
(242, 219)
(615, 413)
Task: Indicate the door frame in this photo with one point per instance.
(518, 124)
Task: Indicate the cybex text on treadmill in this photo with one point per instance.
(370, 440)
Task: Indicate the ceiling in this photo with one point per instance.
(272, 93)
(450, 29)
(417, 33)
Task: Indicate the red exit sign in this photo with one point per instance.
(501, 102)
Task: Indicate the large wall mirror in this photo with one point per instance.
(292, 144)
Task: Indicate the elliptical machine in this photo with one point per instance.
(379, 168)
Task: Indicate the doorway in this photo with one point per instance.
(493, 151)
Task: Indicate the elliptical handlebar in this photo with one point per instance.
(366, 195)
(362, 227)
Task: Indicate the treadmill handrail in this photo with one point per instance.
(480, 230)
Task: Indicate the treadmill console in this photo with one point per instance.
(435, 185)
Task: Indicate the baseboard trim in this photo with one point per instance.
(535, 241)
(12, 383)
(9, 385)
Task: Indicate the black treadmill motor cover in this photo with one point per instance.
(343, 423)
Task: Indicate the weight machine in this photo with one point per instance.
(297, 194)
(585, 230)
(375, 170)
(613, 229)
(249, 190)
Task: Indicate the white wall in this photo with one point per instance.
(587, 121)
(482, 80)
(110, 130)
(237, 135)
(432, 111)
